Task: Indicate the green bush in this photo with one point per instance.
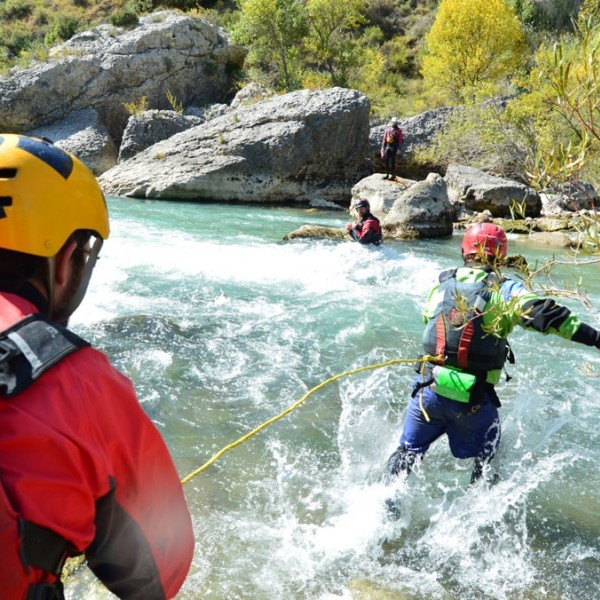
(127, 17)
(15, 38)
(14, 10)
(63, 28)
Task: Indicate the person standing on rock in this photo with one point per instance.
(83, 470)
(469, 315)
(367, 230)
(390, 144)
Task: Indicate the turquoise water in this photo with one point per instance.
(221, 325)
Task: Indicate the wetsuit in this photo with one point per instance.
(84, 470)
(367, 230)
(473, 429)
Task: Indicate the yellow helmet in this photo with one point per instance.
(45, 195)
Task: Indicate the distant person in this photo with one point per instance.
(390, 144)
(82, 467)
(367, 230)
(469, 314)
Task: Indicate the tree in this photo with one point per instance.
(567, 78)
(472, 45)
(330, 40)
(274, 30)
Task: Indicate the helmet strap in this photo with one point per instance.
(51, 271)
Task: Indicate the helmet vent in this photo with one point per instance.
(4, 201)
(8, 173)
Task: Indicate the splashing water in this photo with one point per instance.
(221, 326)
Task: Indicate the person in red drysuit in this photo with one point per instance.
(390, 144)
(367, 230)
(82, 467)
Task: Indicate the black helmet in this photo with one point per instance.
(363, 202)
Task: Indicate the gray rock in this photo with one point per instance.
(381, 193)
(107, 67)
(216, 110)
(418, 131)
(83, 134)
(251, 93)
(289, 148)
(572, 196)
(478, 191)
(422, 211)
(152, 126)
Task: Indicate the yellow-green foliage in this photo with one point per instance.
(472, 46)
(330, 42)
(27, 26)
(590, 10)
(135, 108)
(174, 103)
(483, 136)
(273, 30)
(566, 83)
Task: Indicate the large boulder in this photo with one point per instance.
(83, 134)
(102, 69)
(381, 193)
(422, 211)
(284, 149)
(475, 190)
(151, 126)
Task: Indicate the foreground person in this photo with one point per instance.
(82, 467)
(469, 315)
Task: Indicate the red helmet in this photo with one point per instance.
(486, 238)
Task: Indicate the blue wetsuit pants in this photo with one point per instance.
(474, 435)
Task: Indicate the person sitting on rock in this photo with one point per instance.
(392, 140)
(368, 229)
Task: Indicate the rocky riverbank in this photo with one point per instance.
(152, 111)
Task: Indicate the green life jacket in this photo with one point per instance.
(455, 332)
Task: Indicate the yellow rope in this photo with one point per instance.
(296, 404)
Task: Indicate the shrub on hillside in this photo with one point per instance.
(13, 10)
(63, 28)
(126, 17)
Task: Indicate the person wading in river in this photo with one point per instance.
(367, 230)
(469, 314)
(82, 468)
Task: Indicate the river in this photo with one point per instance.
(221, 325)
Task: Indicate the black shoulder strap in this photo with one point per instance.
(31, 347)
(447, 274)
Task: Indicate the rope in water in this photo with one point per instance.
(296, 404)
(73, 564)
